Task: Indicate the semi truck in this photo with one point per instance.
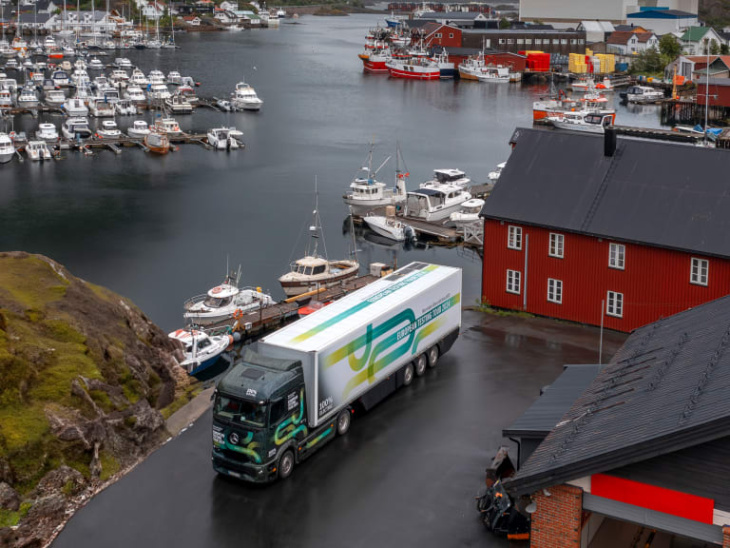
(298, 387)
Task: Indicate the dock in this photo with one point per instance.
(265, 320)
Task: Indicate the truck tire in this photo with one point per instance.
(433, 356)
(420, 364)
(408, 374)
(286, 464)
(343, 422)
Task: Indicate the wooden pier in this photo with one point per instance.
(265, 320)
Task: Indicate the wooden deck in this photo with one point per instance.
(257, 324)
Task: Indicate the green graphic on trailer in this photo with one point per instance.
(378, 356)
(371, 300)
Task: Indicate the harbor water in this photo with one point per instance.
(161, 229)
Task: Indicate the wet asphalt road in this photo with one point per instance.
(405, 475)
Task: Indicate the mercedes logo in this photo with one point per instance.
(234, 438)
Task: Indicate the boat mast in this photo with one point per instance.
(157, 21)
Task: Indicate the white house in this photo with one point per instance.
(631, 43)
(83, 21)
(151, 9)
(228, 6)
(191, 20)
(694, 39)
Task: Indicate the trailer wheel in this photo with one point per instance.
(343, 422)
(286, 464)
(433, 356)
(408, 374)
(420, 364)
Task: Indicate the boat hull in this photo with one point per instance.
(361, 207)
(396, 235)
(5, 157)
(376, 67)
(396, 72)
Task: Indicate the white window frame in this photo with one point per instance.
(615, 304)
(514, 237)
(617, 256)
(555, 291)
(557, 245)
(514, 281)
(696, 274)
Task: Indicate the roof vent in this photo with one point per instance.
(609, 142)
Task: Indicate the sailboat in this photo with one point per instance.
(18, 44)
(313, 272)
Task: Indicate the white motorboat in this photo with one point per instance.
(38, 77)
(642, 94)
(390, 227)
(95, 64)
(80, 64)
(9, 83)
(101, 108)
(156, 77)
(12, 64)
(366, 193)
(6, 98)
(313, 271)
(76, 128)
(494, 175)
(587, 83)
(224, 138)
(138, 79)
(135, 94)
(38, 151)
(48, 84)
(159, 92)
(28, 98)
(125, 107)
(174, 78)
(119, 75)
(468, 213)
(585, 121)
(447, 176)
(201, 350)
(244, 98)
(101, 83)
(109, 130)
(7, 149)
(139, 130)
(224, 105)
(47, 132)
(493, 74)
(225, 301)
(122, 63)
(168, 126)
(84, 94)
(437, 203)
(80, 76)
(178, 104)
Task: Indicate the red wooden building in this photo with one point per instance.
(604, 230)
(718, 92)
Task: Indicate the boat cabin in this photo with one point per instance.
(220, 296)
(310, 266)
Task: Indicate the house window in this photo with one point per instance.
(556, 42)
(564, 41)
(489, 43)
(501, 41)
(555, 291)
(438, 35)
(513, 281)
(615, 304)
(616, 256)
(699, 271)
(451, 35)
(528, 41)
(557, 243)
(573, 41)
(538, 41)
(514, 238)
(520, 41)
(510, 40)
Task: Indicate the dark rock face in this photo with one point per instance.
(90, 373)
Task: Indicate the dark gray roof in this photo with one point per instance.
(721, 82)
(527, 31)
(665, 390)
(649, 192)
(31, 18)
(701, 470)
(549, 408)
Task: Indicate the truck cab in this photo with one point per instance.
(260, 426)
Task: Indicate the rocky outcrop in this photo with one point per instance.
(85, 377)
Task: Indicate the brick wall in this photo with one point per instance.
(726, 537)
(557, 521)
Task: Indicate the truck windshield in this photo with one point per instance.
(240, 411)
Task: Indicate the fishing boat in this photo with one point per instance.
(584, 121)
(447, 176)
(373, 60)
(413, 68)
(494, 74)
(367, 193)
(76, 128)
(7, 149)
(168, 126)
(587, 83)
(224, 138)
(200, 350)
(178, 104)
(109, 130)
(394, 21)
(225, 302)
(38, 151)
(470, 67)
(557, 105)
(138, 130)
(642, 95)
(390, 227)
(244, 98)
(447, 68)
(435, 204)
(313, 271)
(157, 142)
(47, 132)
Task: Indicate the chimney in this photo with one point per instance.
(609, 142)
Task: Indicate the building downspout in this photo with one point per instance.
(524, 293)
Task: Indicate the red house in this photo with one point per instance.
(718, 92)
(436, 34)
(619, 232)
